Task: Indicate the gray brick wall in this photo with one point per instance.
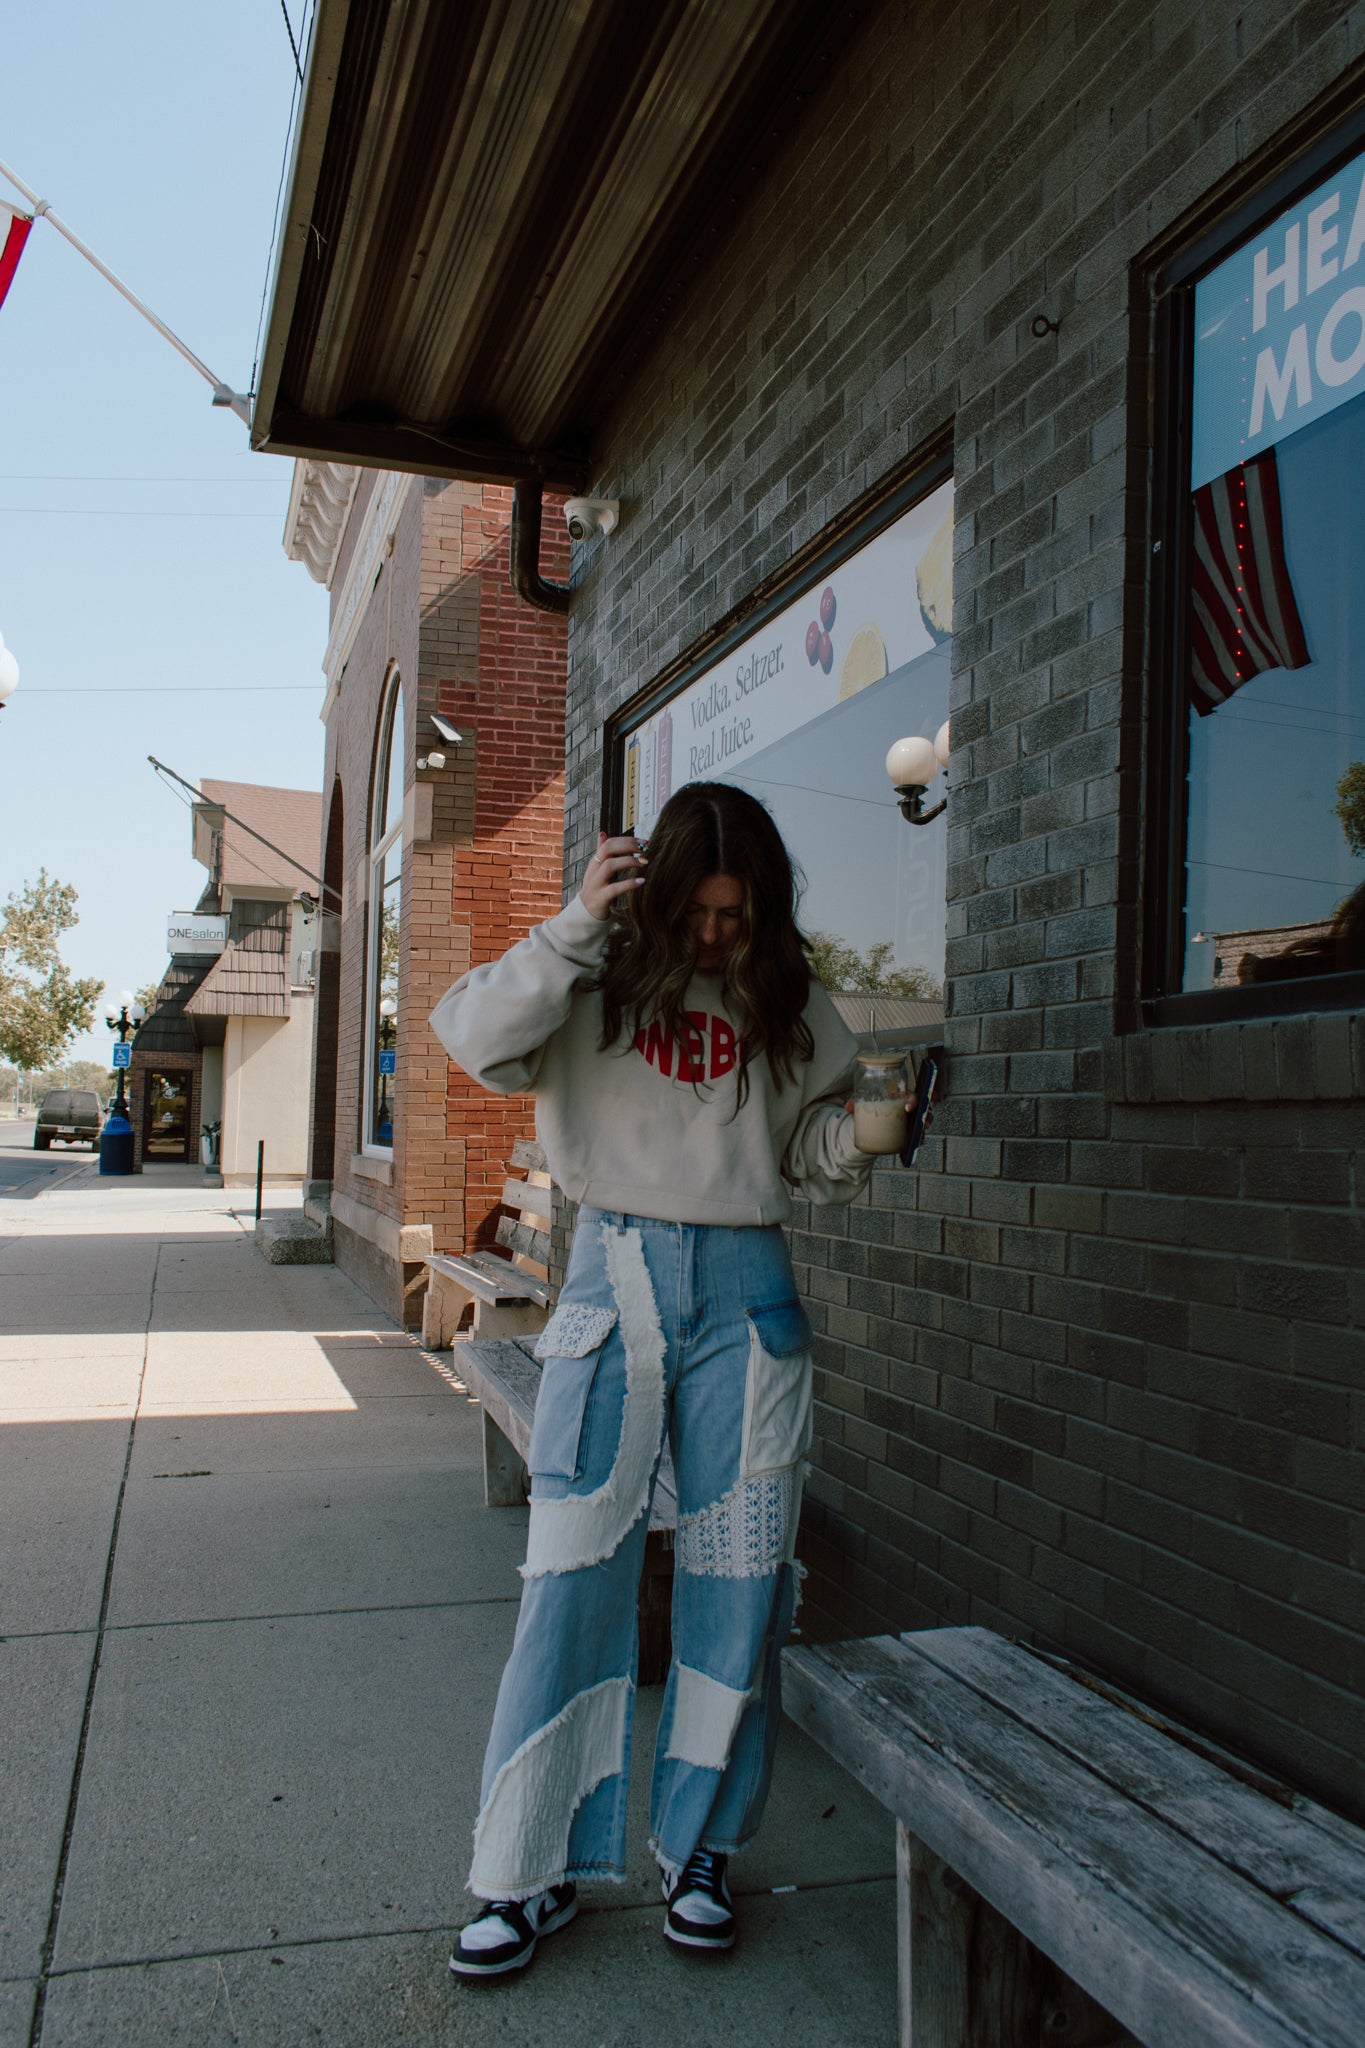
(1093, 1375)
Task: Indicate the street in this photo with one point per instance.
(252, 1619)
(24, 1172)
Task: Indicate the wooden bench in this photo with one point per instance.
(505, 1377)
(1072, 1864)
(510, 1294)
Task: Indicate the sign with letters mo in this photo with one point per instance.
(1279, 328)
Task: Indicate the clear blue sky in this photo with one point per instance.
(140, 611)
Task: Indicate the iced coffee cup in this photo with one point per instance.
(881, 1095)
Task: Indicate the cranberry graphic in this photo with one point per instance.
(827, 609)
(812, 643)
(826, 653)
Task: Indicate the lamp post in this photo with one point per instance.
(116, 1139)
(388, 1010)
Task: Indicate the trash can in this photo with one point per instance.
(116, 1146)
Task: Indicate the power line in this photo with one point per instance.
(117, 512)
(295, 99)
(257, 482)
(164, 690)
(289, 29)
(1228, 867)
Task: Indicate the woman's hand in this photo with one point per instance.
(613, 869)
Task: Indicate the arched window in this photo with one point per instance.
(385, 918)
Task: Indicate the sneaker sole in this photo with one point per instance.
(712, 1943)
(460, 1968)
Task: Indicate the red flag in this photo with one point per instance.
(14, 229)
(1246, 618)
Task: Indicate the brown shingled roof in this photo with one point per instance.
(250, 978)
(291, 818)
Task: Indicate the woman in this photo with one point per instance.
(688, 1070)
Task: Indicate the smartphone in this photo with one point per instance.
(926, 1080)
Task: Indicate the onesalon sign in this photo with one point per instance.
(190, 934)
(1279, 328)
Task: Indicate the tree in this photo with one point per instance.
(42, 1004)
(1350, 805)
(147, 995)
(847, 972)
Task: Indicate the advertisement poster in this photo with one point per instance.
(1279, 328)
(877, 612)
(802, 714)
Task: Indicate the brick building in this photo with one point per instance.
(1052, 284)
(227, 1044)
(436, 853)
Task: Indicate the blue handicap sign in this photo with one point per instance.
(388, 1061)
(123, 1056)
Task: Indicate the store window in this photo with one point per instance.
(385, 919)
(802, 711)
(1261, 823)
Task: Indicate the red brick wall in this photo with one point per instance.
(508, 876)
(483, 862)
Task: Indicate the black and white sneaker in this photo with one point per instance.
(700, 1911)
(505, 1934)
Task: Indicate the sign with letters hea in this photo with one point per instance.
(186, 933)
(1279, 328)
(123, 1055)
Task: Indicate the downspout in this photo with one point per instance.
(530, 585)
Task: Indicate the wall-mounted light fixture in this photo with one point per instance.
(434, 757)
(912, 765)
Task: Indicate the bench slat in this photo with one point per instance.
(529, 1155)
(506, 1381)
(1178, 1948)
(520, 1237)
(528, 1200)
(490, 1278)
(1273, 1841)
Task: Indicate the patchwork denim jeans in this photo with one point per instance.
(664, 1330)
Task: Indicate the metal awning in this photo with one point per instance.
(493, 206)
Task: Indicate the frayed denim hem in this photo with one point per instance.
(577, 1873)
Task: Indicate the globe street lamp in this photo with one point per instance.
(9, 674)
(116, 1139)
(388, 1010)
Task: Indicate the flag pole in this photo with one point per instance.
(223, 394)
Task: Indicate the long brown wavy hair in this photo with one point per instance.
(711, 828)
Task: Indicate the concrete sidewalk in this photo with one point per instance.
(252, 1617)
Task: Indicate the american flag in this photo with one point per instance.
(14, 229)
(1245, 619)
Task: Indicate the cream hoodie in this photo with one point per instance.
(648, 1128)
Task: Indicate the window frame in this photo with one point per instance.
(930, 466)
(1295, 167)
(379, 845)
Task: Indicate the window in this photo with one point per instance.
(801, 711)
(1259, 883)
(385, 919)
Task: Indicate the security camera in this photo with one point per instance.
(446, 729)
(591, 515)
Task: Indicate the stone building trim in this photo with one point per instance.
(320, 500)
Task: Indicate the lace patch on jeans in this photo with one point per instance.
(744, 1535)
(574, 1330)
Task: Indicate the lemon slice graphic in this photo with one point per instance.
(864, 663)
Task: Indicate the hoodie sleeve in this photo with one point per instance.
(821, 1160)
(496, 1019)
